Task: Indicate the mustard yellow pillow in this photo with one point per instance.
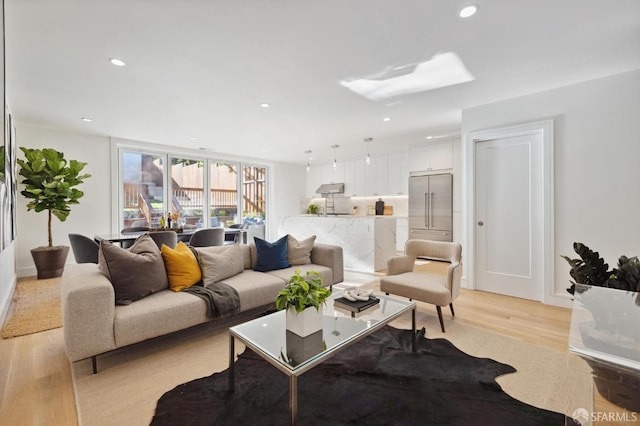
(182, 266)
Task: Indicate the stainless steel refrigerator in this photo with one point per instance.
(431, 206)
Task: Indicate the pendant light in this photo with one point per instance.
(307, 152)
(367, 160)
(335, 162)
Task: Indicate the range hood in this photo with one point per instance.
(331, 188)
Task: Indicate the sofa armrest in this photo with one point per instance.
(400, 264)
(88, 311)
(330, 256)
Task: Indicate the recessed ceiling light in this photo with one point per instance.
(265, 105)
(386, 119)
(87, 119)
(429, 137)
(192, 138)
(468, 11)
(117, 62)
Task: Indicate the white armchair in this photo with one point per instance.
(426, 287)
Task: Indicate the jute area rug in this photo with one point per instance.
(131, 380)
(35, 307)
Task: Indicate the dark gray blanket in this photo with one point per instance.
(222, 299)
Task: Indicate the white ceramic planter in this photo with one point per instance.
(306, 322)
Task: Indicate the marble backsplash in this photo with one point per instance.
(358, 205)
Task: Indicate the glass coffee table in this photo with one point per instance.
(293, 355)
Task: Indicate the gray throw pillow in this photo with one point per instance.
(135, 272)
(219, 262)
(299, 252)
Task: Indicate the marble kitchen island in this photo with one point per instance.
(367, 241)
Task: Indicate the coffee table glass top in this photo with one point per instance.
(293, 354)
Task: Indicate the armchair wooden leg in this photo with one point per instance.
(451, 307)
(440, 318)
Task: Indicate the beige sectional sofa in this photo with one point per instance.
(94, 324)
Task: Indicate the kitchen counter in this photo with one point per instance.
(367, 241)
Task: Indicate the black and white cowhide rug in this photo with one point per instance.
(377, 381)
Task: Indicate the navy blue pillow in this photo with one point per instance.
(271, 256)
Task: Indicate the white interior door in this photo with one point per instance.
(509, 216)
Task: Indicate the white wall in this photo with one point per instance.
(94, 213)
(7, 278)
(288, 187)
(91, 216)
(596, 162)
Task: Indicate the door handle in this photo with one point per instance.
(480, 223)
(426, 209)
(431, 210)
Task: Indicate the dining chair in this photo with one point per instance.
(168, 238)
(85, 250)
(438, 290)
(207, 237)
(232, 238)
(132, 230)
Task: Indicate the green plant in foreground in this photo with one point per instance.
(49, 182)
(591, 269)
(303, 292)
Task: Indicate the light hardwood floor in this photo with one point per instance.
(35, 377)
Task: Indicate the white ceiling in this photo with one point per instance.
(201, 68)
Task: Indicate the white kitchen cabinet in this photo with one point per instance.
(312, 181)
(435, 156)
(324, 173)
(354, 178)
(375, 177)
(316, 176)
(398, 174)
(336, 174)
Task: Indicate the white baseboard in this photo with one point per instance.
(6, 303)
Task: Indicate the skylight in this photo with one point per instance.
(444, 69)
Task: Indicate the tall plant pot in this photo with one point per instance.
(306, 322)
(50, 260)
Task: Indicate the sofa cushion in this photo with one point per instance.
(255, 288)
(135, 272)
(246, 254)
(271, 256)
(219, 262)
(160, 313)
(299, 252)
(182, 266)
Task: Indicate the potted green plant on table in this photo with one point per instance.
(612, 300)
(303, 297)
(49, 184)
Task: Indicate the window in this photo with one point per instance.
(253, 194)
(224, 193)
(204, 192)
(187, 190)
(142, 189)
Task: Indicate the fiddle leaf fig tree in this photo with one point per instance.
(50, 182)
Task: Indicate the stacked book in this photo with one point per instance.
(355, 306)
